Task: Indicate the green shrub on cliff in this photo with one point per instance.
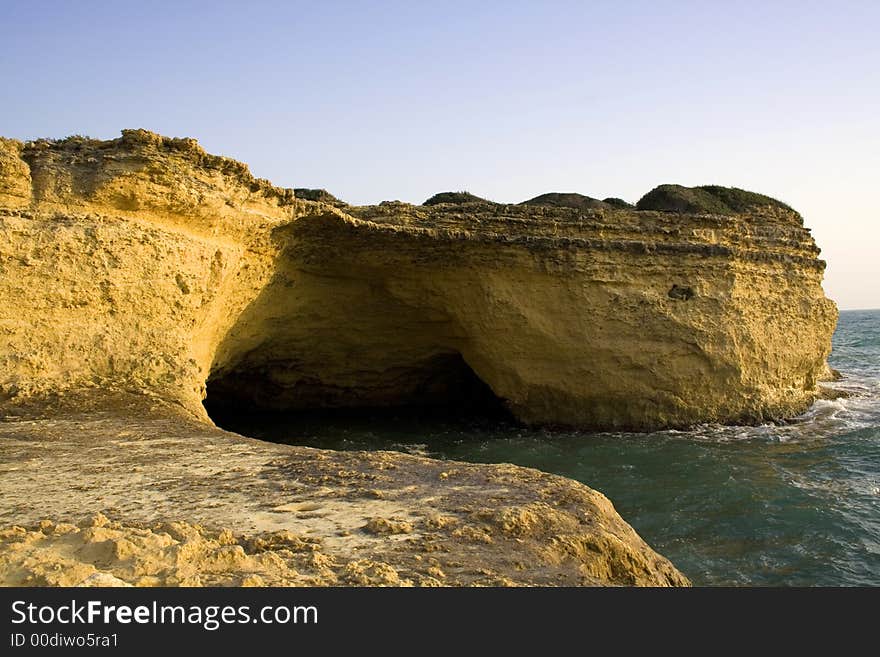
(321, 195)
(618, 203)
(740, 200)
(707, 199)
(455, 198)
(566, 200)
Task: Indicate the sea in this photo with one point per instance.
(789, 504)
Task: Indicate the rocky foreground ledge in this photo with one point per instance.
(140, 493)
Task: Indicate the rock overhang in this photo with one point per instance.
(569, 314)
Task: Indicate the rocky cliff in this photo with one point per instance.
(144, 264)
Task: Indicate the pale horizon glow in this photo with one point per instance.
(508, 100)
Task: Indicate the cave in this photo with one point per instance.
(275, 400)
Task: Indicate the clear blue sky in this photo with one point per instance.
(398, 100)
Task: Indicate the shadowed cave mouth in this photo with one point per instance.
(441, 396)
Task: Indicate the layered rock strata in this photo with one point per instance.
(144, 264)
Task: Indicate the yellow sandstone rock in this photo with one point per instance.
(137, 274)
(144, 264)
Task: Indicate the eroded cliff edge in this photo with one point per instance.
(144, 264)
(189, 504)
(138, 272)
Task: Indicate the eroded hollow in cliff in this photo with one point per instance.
(275, 401)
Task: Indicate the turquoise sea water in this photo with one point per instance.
(790, 504)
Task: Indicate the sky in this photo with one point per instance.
(398, 100)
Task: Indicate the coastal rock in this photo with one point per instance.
(142, 273)
(145, 264)
(15, 177)
(187, 504)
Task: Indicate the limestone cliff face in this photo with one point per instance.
(145, 264)
(122, 262)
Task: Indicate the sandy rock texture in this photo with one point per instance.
(145, 264)
(139, 274)
(136, 492)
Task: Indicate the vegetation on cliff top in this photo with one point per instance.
(618, 203)
(321, 195)
(566, 200)
(548, 200)
(572, 200)
(707, 199)
(455, 198)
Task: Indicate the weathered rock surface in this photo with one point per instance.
(192, 505)
(145, 264)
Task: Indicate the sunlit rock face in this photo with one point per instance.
(145, 264)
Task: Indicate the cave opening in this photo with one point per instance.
(440, 398)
